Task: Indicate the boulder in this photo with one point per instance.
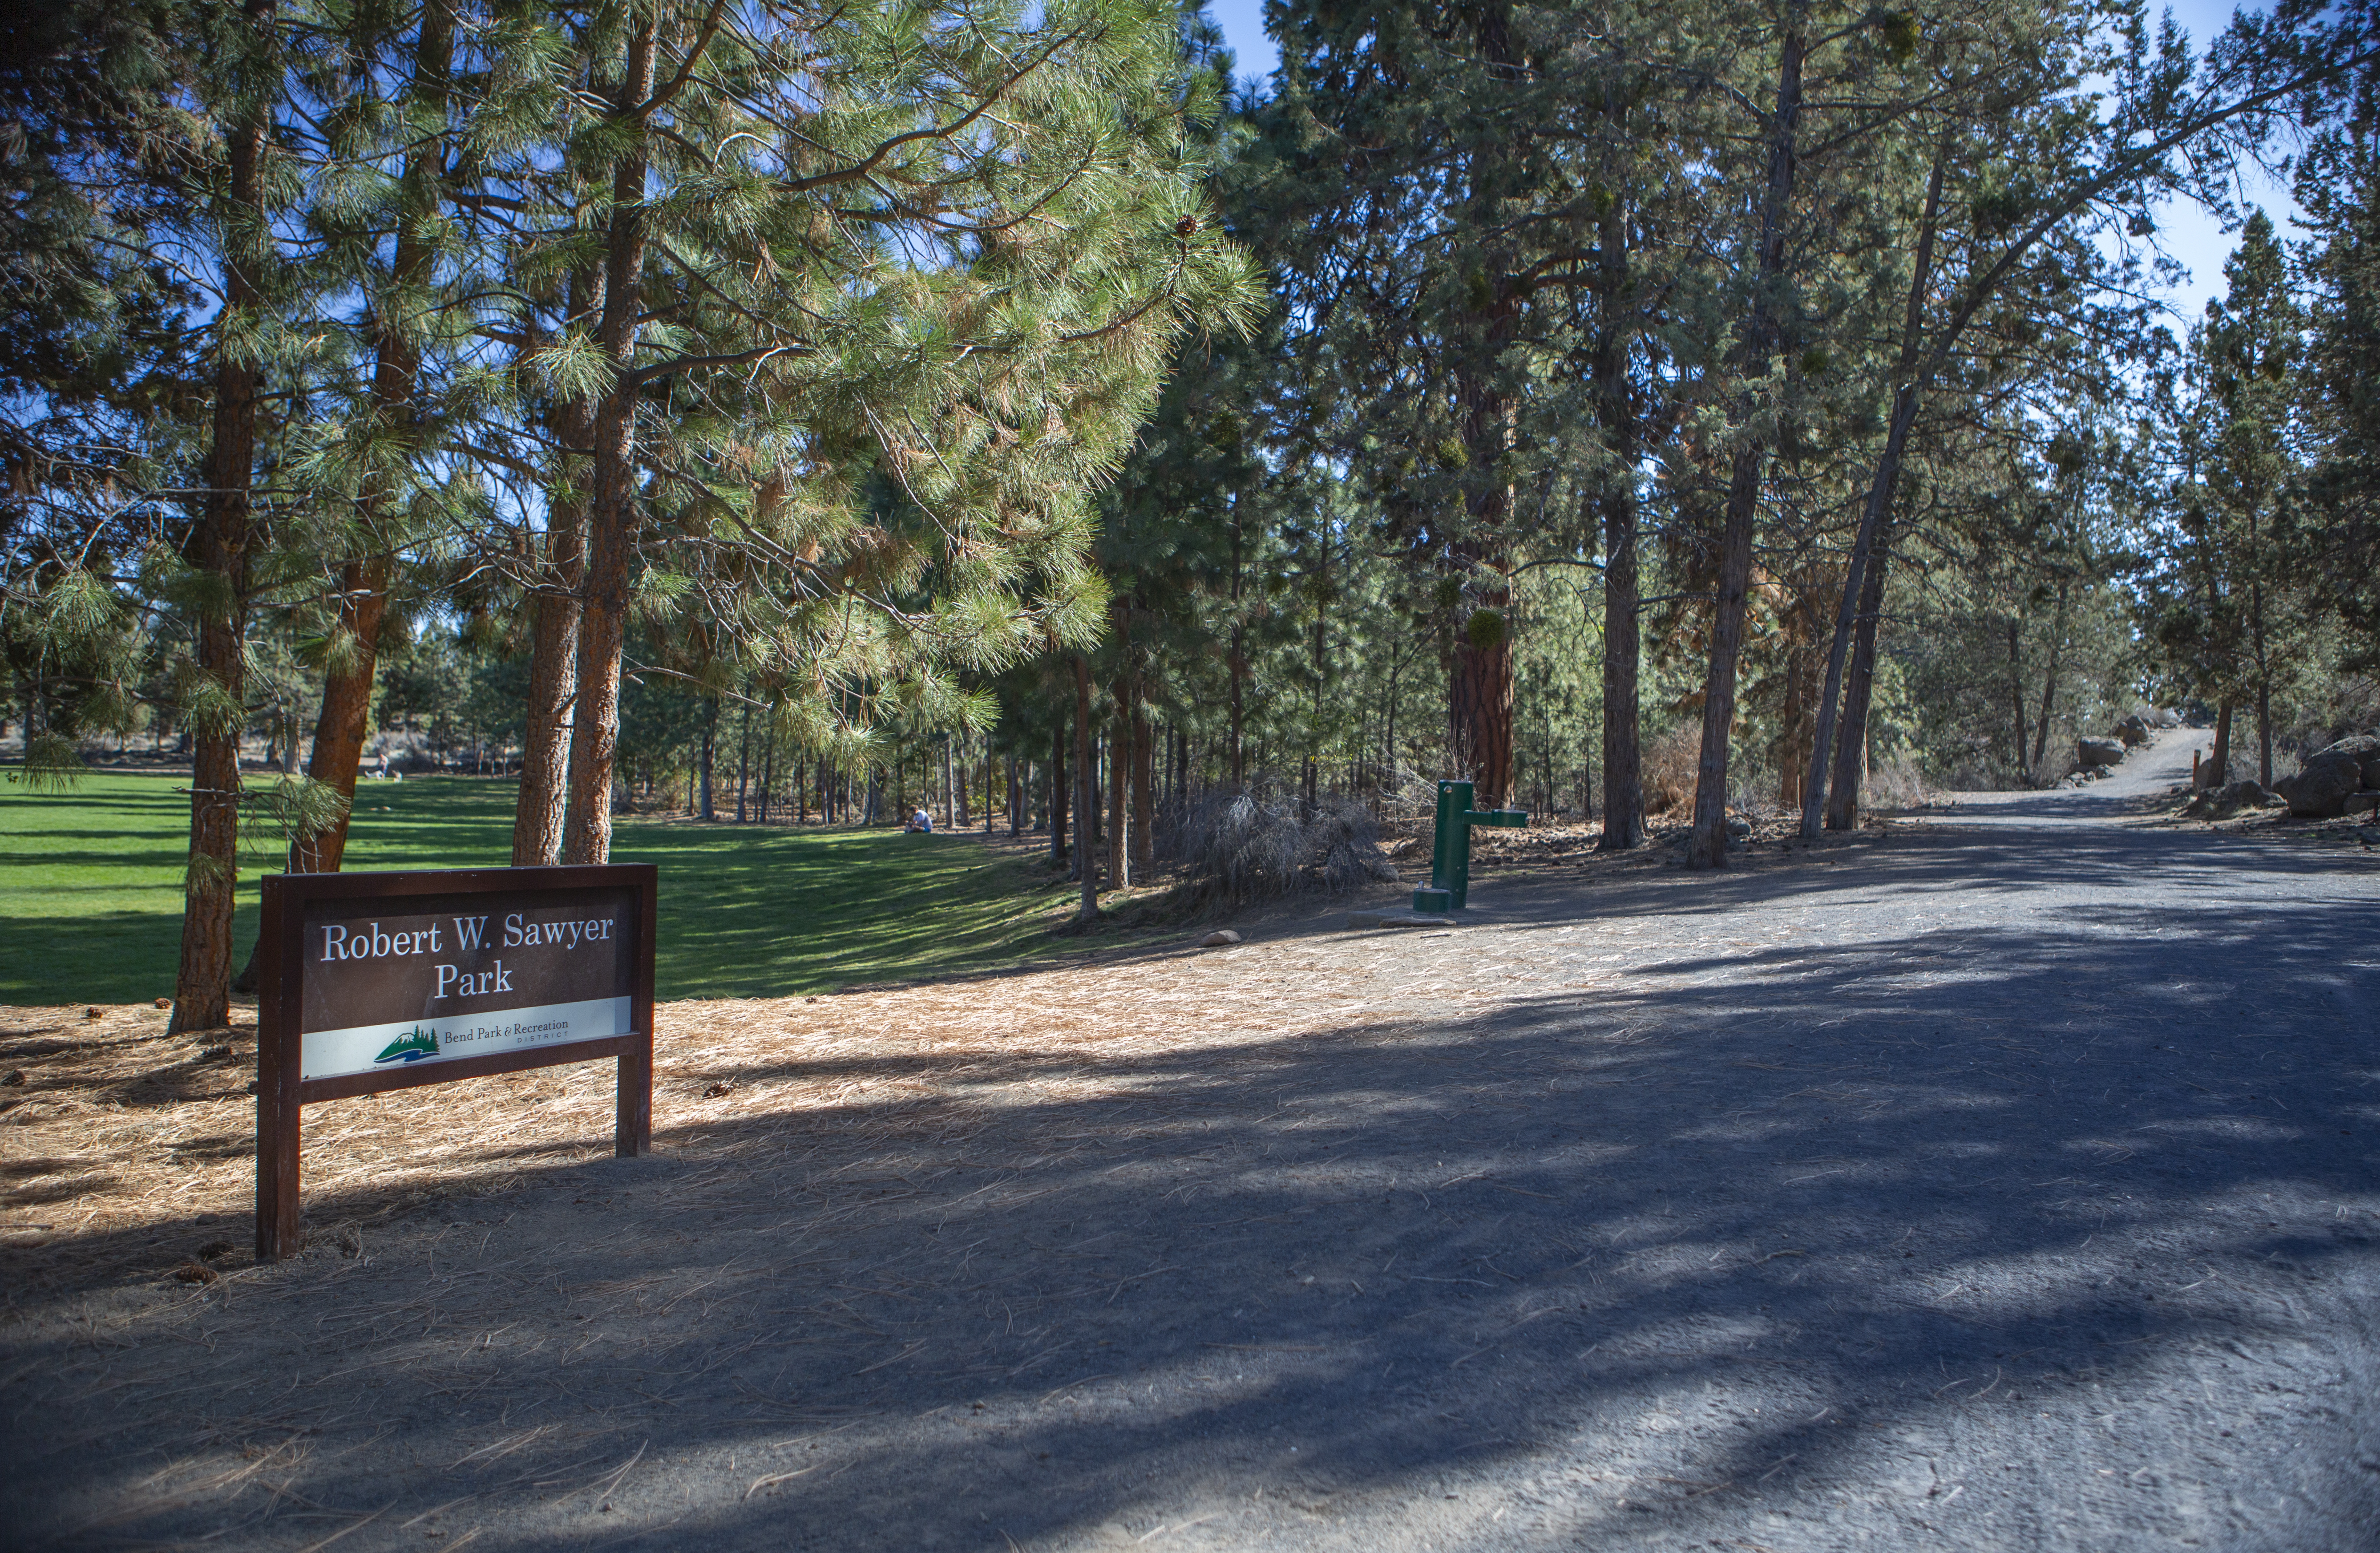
(2321, 791)
(2132, 731)
(2098, 752)
(1219, 938)
(2363, 750)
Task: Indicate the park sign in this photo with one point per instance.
(377, 981)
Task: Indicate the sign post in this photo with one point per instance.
(1450, 860)
(384, 981)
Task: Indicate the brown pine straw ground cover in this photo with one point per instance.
(118, 1133)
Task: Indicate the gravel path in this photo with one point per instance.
(2004, 1180)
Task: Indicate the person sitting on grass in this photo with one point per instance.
(922, 820)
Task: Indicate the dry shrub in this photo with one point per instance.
(1672, 766)
(1250, 846)
(1896, 783)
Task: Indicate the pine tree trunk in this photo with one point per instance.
(1238, 659)
(344, 719)
(1479, 699)
(218, 549)
(1875, 518)
(2264, 684)
(1615, 411)
(2016, 698)
(1119, 815)
(1086, 791)
(1624, 639)
(541, 811)
(1791, 755)
(2219, 763)
(537, 813)
(612, 518)
(1144, 808)
(742, 761)
(1708, 848)
(2050, 683)
(1060, 769)
(710, 739)
(1851, 744)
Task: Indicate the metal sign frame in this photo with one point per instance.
(281, 1090)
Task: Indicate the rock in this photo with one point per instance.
(1738, 828)
(1395, 919)
(2321, 791)
(2098, 752)
(2131, 731)
(2363, 750)
(1219, 938)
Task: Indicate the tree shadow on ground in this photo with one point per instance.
(1652, 1258)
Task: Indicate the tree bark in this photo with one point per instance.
(703, 758)
(2219, 762)
(1708, 848)
(1086, 791)
(612, 521)
(219, 549)
(2264, 682)
(1793, 715)
(1144, 808)
(1061, 775)
(1623, 645)
(1850, 752)
(1479, 698)
(1238, 659)
(344, 719)
(538, 813)
(743, 758)
(2049, 683)
(1119, 807)
(2016, 699)
(1911, 379)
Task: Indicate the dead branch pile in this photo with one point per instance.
(1239, 847)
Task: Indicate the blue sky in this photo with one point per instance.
(2188, 233)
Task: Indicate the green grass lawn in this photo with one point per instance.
(91, 890)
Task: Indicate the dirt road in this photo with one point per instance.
(2007, 1180)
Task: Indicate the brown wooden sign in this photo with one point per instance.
(381, 981)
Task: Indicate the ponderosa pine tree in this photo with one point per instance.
(772, 337)
(240, 215)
